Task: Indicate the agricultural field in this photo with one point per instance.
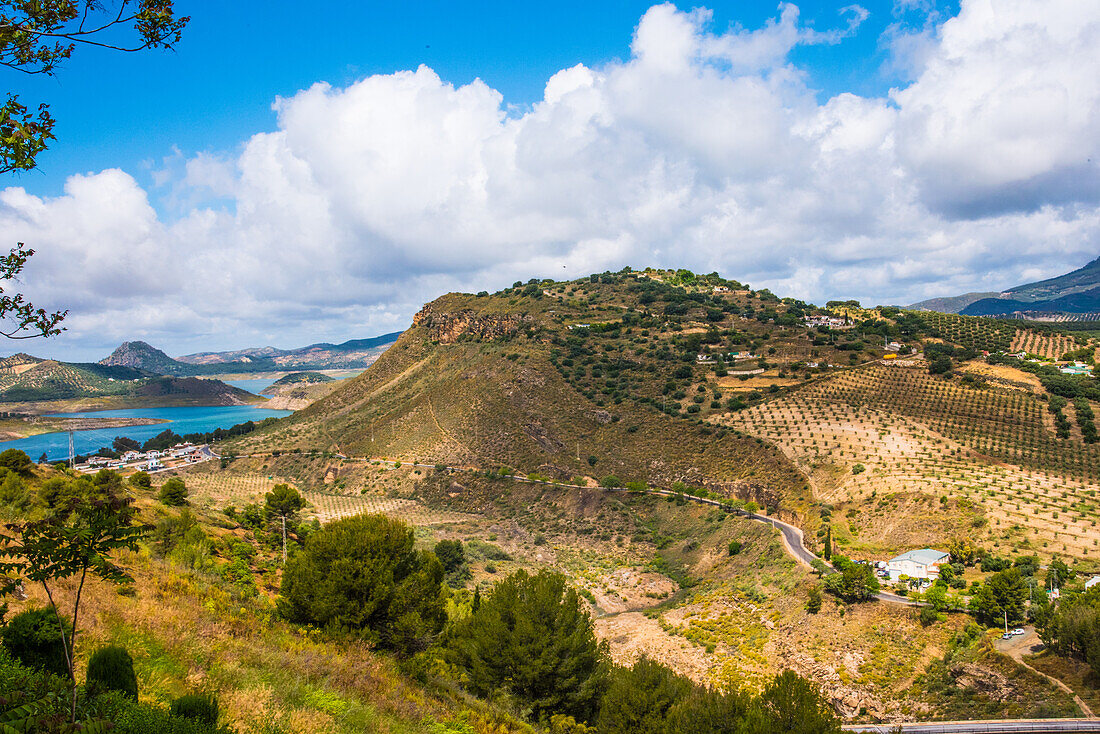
(975, 332)
(217, 490)
(875, 440)
(1051, 346)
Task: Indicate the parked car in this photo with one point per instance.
(1007, 636)
(1019, 631)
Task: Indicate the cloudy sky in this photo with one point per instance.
(281, 180)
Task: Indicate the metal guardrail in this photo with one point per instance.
(1022, 726)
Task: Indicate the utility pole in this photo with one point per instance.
(284, 540)
(72, 454)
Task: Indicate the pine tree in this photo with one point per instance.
(533, 636)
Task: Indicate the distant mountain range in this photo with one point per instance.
(1077, 292)
(352, 354)
(28, 380)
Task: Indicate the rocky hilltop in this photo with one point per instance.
(142, 356)
(447, 327)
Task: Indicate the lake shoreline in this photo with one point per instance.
(13, 429)
(139, 424)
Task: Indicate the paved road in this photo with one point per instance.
(1031, 726)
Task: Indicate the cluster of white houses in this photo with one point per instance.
(185, 453)
(708, 357)
(830, 321)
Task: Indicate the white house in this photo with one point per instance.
(131, 456)
(1092, 582)
(917, 564)
(1077, 368)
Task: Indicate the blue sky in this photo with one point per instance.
(285, 179)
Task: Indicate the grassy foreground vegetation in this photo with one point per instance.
(174, 639)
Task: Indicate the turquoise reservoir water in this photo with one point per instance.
(253, 385)
(182, 421)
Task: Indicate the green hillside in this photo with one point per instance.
(647, 376)
(494, 380)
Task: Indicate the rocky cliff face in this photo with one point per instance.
(447, 327)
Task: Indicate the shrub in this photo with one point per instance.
(141, 479)
(16, 461)
(34, 638)
(640, 697)
(201, 707)
(363, 574)
(734, 547)
(173, 492)
(451, 554)
(813, 600)
(112, 669)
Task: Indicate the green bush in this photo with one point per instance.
(173, 492)
(363, 574)
(813, 600)
(141, 479)
(202, 707)
(16, 461)
(639, 698)
(533, 635)
(734, 547)
(34, 639)
(451, 554)
(112, 669)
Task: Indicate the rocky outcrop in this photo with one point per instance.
(448, 327)
(142, 356)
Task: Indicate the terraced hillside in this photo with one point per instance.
(907, 459)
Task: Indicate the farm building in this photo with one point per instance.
(1092, 582)
(1077, 368)
(917, 564)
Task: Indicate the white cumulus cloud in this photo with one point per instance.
(704, 149)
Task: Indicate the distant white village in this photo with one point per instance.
(182, 454)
